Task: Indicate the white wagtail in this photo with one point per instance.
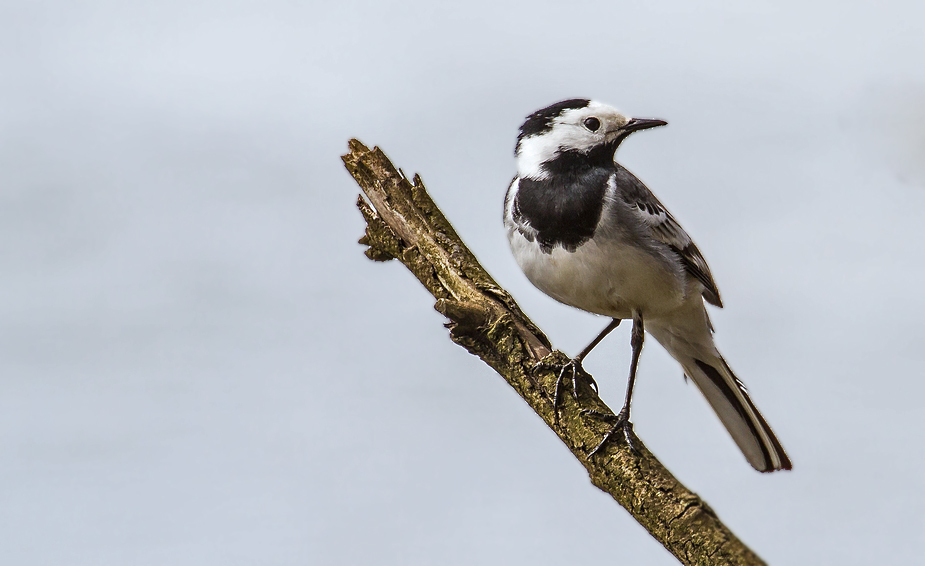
(588, 233)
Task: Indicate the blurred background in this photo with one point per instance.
(199, 366)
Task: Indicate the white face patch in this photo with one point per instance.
(570, 131)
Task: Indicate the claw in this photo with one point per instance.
(573, 366)
(621, 423)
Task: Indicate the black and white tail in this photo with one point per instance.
(693, 348)
(728, 397)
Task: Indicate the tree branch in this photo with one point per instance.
(405, 224)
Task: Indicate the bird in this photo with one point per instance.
(590, 234)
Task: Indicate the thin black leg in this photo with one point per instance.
(638, 337)
(622, 419)
(574, 365)
(610, 327)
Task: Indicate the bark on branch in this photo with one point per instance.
(405, 224)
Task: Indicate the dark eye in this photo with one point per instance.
(592, 123)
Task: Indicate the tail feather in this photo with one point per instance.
(729, 399)
(688, 337)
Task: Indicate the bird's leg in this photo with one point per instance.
(573, 366)
(622, 419)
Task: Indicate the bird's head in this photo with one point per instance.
(573, 133)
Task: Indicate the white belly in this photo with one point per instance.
(603, 278)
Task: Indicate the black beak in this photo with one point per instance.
(642, 124)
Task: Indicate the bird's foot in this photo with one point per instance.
(570, 371)
(621, 423)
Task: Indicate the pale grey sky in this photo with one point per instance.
(198, 365)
